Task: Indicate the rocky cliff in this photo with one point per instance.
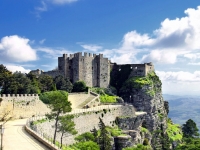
(145, 94)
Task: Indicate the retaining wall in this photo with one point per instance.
(87, 119)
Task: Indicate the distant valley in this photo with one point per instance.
(183, 108)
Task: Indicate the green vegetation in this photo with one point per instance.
(63, 83)
(174, 131)
(151, 80)
(104, 137)
(190, 129)
(108, 99)
(19, 83)
(114, 131)
(144, 130)
(66, 125)
(88, 145)
(105, 95)
(87, 136)
(138, 147)
(191, 140)
(39, 121)
(59, 104)
(80, 86)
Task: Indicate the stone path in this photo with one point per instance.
(16, 138)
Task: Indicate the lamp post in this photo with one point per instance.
(130, 98)
(2, 131)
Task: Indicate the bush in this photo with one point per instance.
(146, 141)
(88, 145)
(80, 86)
(108, 99)
(87, 136)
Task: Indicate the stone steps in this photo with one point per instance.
(91, 97)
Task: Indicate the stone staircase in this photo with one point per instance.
(91, 97)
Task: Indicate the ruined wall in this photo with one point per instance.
(54, 73)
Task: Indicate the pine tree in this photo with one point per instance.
(190, 129)
(104, 139)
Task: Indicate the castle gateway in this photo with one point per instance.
(93, 69)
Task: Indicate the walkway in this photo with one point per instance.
(16, 138)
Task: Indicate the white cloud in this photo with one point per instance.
(16, 49)
(15, 68)
(42, 41)
(91, 47)
(175, 38)
(180, 83)
(179, 76)
(192, 56)
(53, 53)
(60, 2)
(165, 57)
(196, 64)
(40, 9)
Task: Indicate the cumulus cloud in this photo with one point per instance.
(165, 57)
(16, 49)
(180, 82)
(91, 47)
(15, 68)
(179, 76)
(175, 38)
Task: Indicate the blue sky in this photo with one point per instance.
(33, 33)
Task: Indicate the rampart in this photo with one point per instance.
(87, 119)
(19, 97)
(136, 70)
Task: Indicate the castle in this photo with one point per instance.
(93, 69)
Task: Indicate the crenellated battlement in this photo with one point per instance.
(93, 69)
(18, 97)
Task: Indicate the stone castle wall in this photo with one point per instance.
(91, 68)
(19, 97)
(86, 121)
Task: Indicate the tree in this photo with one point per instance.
(104, 137)
(17, 83)
(63, 83)
(34, 88)
(87, 136)
(66, 125)
(79, 86)
(190, 129)
(95, 134)
(5, 75)
(59, 104)
(45, 83)
(88, 145)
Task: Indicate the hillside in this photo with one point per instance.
(182, 108)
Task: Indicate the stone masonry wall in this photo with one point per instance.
(86, 121)
(19, 97)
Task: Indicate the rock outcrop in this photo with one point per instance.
(145, 94)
